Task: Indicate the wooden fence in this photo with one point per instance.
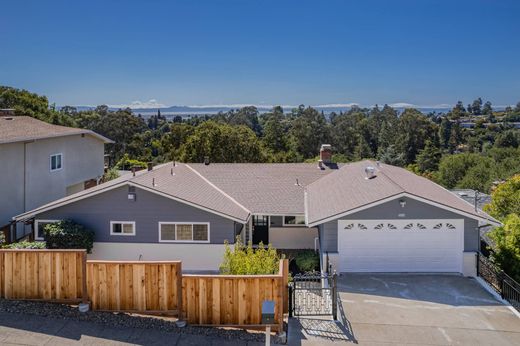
(50, 275)
(146, 287)
(142, 287)
(234, 300)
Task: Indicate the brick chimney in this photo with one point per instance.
(326, 153)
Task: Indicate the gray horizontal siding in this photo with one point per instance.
(96, 212)
(390, 210)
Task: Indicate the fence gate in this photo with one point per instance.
(313, 295)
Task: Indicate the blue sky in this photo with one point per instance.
(422, 52)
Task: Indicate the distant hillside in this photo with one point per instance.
(187, 111)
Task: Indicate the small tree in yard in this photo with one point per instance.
(68, 235)
(244, 260)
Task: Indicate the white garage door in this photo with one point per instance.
(400, 245)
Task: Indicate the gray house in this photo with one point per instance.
(362, 216)
(44, 162)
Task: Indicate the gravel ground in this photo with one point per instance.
(61, 311)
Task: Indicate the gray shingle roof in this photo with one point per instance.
(238, 190)
(348, 189)
(264, 188)
(23, 128)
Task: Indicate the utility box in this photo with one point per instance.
(268, 312)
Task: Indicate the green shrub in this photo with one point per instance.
(307, 260)
(2, 239)
(26, 245)
(126, 163)
(244, 260)
(68, 235)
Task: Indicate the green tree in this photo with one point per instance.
(508, 138)
(476, 107)
(453, 168)
(413, 131)
(222, 143)
(428, 159)
(391, 156)
(505, 199)
(274, 131)
(506, 252)
(309, 130)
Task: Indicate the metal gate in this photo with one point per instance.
(313, 295)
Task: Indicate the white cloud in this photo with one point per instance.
(240, 105)
(403, 105)
(338, 105)
(152, 103)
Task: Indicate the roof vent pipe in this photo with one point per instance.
(206, 160)
(133, 171)
(150, 166)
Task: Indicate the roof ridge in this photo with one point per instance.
(217, 188)
(390, 179)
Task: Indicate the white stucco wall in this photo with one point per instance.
(194, 257)
(292, 237)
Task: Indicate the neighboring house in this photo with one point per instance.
(362, 216)
(42, 162)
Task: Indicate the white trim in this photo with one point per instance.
(293, 224)
(112, 223)
(68, 200)
(36, 226)
(60, 155)
(192, 241)
(396, 196)
(131, 183)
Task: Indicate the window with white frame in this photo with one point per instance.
(184, 232)
(56, 162)
(294, 220)
(122, 227)
(39, 226)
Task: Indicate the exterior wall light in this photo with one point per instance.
(402, 202)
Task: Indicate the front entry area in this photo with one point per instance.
(260, 229)
(401, 245)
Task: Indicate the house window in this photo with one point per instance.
(56, 162)
(122, 227)
(183, 232)
(295, 220)
(39, 225)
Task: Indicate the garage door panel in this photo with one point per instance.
(401, 245)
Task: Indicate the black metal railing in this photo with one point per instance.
(502, 283)
(310, 296)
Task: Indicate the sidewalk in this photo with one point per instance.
(22, 329)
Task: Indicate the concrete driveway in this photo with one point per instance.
(424, 309)
(406, 309)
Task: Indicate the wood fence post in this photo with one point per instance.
(84, 292)
(285, 275)
(179, 290)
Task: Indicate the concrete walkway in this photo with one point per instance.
(21, 329)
